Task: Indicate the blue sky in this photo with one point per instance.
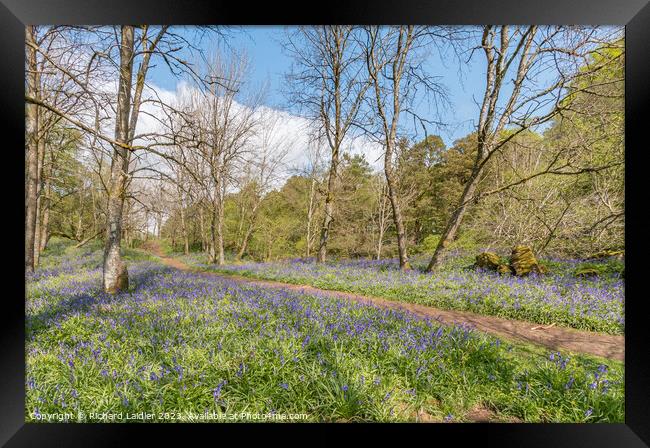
(269, 63)
(464, 80)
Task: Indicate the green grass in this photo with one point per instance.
(180, 344)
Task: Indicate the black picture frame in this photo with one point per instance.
(634, 14)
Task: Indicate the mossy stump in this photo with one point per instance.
(523, 261)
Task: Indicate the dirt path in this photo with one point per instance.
(556, 338)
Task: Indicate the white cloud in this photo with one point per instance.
(291, 130)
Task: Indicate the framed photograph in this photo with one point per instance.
(407, 215)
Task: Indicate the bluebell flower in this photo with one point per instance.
(569, 383)
(216, 393)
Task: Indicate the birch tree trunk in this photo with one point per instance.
(115, 274)
(32, 128)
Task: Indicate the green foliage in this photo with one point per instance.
(611, 266)
(165, 246)
(428, 245)
(129, 254)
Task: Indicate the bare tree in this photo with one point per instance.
(327, 85)
(526, 55)
(115, 273)
(267, 159)
(98, 46)
(394, 57)
(224, 122)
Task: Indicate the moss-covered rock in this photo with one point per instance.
(488, 260)
(504, 269)
(523, 261)
(492, 262)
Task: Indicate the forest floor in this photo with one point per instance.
(556, 338)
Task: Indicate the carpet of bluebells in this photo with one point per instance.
(592, 303)
(181, 344)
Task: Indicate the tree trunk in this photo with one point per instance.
(222, 259)
(115, 274)
(32, 128)
(329, 207)
(240, 225)
(186, 238)
(45, 204)
(204, 245)
(94, 204)
(213, 232)
(39, 199)
(397, 213)
(159, 225)
(310, 214)
(380, 241)
(44, 238)
(82, 243)
(244, 244)
(249, 231)
(454, 223)
(79, 230)
(382, 223)
(146, 225)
